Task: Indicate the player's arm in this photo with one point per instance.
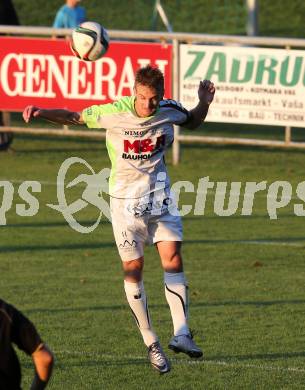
(43, 361)
(24, 334)
(61, 116)
(198, 114)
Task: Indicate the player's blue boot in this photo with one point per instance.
(157, 358)
(185, 344)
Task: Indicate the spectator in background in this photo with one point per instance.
(16, 328)
(8, 16)
(70, 15)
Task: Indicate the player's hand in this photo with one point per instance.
(206, 92)
(30, 112)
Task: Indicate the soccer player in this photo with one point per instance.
(139, 129)
(16, 328)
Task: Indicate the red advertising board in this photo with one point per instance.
(45, 73)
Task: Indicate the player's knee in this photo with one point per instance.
(133, 275)
(173, 263)
(133, 270)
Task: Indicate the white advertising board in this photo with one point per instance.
(253, 85)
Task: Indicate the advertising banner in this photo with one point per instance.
(254, 85)
(44, 72)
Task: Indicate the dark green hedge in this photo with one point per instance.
(276, 17)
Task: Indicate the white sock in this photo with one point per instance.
(136, 298)
(176, 292)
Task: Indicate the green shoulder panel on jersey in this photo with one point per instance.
(92, 115)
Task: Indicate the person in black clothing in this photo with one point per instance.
(8, 15)
(16, 328)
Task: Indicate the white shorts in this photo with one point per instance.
(136, 223)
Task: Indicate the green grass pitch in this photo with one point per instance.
(246, 277)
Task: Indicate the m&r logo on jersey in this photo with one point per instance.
(138, 147)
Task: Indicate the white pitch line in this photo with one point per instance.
(260, 367)
(276, 243)
(185, 362)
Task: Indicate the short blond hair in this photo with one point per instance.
(151, 77)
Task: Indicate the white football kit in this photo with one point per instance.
(141, 207)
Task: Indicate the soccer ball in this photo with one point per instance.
(89, 41)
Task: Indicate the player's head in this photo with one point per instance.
(72, 3)
(148, 89)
